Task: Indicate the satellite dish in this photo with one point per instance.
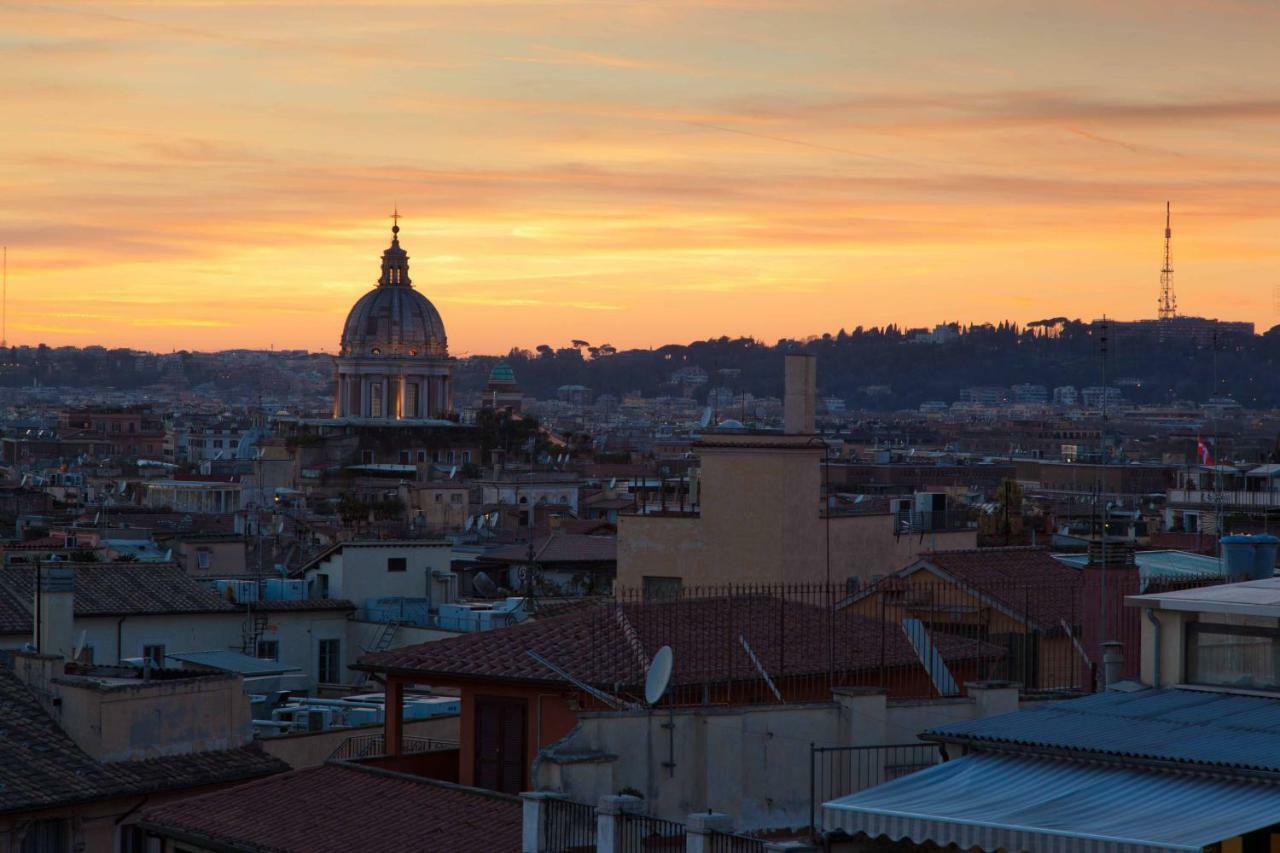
(471, 520)
(613, 481)
(493, 520)
(453, 472)
(75, 654)
(484, 585)
(659, 677)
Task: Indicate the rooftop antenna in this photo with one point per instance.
(612, 701)
(1168, 302)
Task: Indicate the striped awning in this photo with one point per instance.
(1057, 806)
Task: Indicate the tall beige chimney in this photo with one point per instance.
(800, 395)
(54, 610)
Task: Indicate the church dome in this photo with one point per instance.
(394, 319)
(502, 374)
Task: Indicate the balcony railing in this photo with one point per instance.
(357, 747)
(1229, 498)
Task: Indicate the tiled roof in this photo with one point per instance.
(338, 808)
(560, 548)
(1184, 726)
(611, 644)
(110, 589)
(1027, 581)
(41, 767)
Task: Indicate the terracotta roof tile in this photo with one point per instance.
(610, 644)
(110, 589)
(1028, 581)
(338, 808)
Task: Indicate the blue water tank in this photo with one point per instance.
(1249, 557)
(1264, 556)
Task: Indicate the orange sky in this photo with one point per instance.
(218, 174)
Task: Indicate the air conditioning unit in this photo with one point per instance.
(304, 718)
(239, 591)
(284, 589)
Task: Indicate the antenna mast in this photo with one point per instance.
(1168, 302)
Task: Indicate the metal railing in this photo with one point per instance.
(641, 833)
(569, 827)
(838, 771)
(1225, 497)
(372, 746)
(728, 842)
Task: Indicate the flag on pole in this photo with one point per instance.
(1202, 449)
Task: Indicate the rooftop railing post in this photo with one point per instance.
(610, 818)
(533, 827)
(701, 827)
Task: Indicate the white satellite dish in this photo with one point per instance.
(659, 677)
(493, 520)
(75, 653)
(471, 519)
(613, 481)
(453, 471)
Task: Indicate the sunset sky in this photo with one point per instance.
(207, 175)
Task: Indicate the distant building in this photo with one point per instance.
(1066, 395)
(394, 359)
(1200, 331)
(1030, 394)
(984, 395)
(1094, 396)
(501, 393)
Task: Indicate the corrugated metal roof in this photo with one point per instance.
(1188, 726)
(1168, 563)
(230, 661)
(997, 802)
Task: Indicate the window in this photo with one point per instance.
(154, 653)
(422, 456)
(451, 457)
(133, 840)
(439, 496)
(397, 564)
(411, 400)
(658, 588)
(328, 662)
(1234, 651)
(45, 836)
(204, 558)
(366, 457)
(322, 585)
(269, 650)
(456, 498)
(375, 400)
(466, 456)
(406, 457)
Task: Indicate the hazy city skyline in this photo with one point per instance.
(218, 175)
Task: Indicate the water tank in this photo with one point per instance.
(1264, 557)
(1249, 557)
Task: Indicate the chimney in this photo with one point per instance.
(800, 394)
(1112, 662)
(54, 616)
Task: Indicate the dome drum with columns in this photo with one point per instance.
(394, 359)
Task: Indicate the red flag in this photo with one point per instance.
(1206, 458)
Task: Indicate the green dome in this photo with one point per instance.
(502, 372)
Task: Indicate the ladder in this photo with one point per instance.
(386, 636)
